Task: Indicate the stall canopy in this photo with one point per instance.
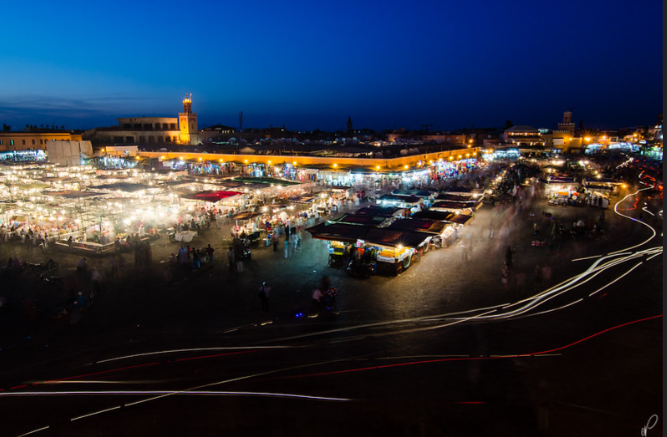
(449, 205)
(461, 219)
(212, 196)
(122, 186)
(301, 199)
(433, 227)
(418, 193)
(433, 215)
(454, 198)
(392, 199)
(73, 194)
(362, 219)
(246, 215)
(392, 238)
(338, 232)
(266, 181)
(381, 210)
(374, 236)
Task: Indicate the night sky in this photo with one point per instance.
(312, 64)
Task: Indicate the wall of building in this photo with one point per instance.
(68, 153)
(119, 137)
(29, 140)
(393, 164)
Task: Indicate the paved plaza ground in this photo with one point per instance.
(144, 307)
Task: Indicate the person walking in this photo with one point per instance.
(230, 257)
(263, 295)
(274, 239)
(508, 257)
(209, 252)
(505, 271)
(316, 299)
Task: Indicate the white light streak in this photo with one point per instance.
(95, 413)
(168, 393)
(34, 431)
(203, 349)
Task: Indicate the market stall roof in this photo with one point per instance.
(561, 180)
(246, 215)
(266, 181)
(458, 190)
(211, 196)
(177, 183)
(402, 199)
(455, 198)
(461, 219)
(600, 181)
(122, 186)
(72, 194)
(447, 204)
(302, 199)
(380, 236)
(393, 238)
(338, 232)
(418, 193)
(434, 227)
(433, 215)
(381, 210)
(362, 219)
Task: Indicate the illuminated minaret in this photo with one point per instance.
(188, 122)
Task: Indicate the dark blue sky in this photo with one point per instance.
(311, 64)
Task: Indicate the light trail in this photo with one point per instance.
(610, 283)
(94, 413)
(441, 360)
(166, 392)
(201, 349)
(34, 431)
(635, 220)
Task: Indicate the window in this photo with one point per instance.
(165, 126)
(159, 139)
(172, 126)
(151, 139)
(0, 142)
(33, 142)
(167, 139)
(23, 142)
(11, 142)
(142, 140)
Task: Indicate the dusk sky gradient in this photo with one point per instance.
(313, 64)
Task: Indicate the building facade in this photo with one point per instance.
(188, 123)
(152, 131)
(32, 140)
(524, 135)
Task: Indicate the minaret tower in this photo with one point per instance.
(188, 122)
